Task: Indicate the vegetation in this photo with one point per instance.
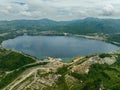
(12, 75)
(103, 55)
(114, 38)
(101, 75)
(14, 60)
(62, 70)
(61, 81)
(79, 76)
(9, 78)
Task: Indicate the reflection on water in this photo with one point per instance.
(57, 46)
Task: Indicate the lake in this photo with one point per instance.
(58, 46)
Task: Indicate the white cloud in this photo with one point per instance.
(108, 10)
(58, 9)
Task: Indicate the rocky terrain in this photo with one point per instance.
(94, 72)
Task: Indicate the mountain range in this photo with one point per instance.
(83, 26)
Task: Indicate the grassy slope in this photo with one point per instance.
(10, 61)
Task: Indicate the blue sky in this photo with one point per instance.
(58, 9)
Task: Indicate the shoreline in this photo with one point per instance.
(102, 37)
(76, 35)
(99, 38)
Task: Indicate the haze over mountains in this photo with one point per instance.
(82, 26)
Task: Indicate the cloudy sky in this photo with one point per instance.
(58, 9)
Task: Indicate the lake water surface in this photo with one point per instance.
(57, 46)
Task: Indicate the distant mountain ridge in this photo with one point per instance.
(82, 26)
(108, 29)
